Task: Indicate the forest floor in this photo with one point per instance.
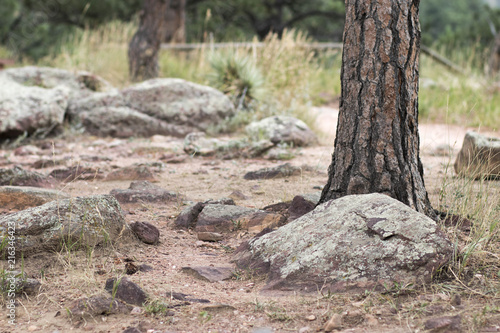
(67, 276)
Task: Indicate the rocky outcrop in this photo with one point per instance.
(78, 82)
(479, 157)
(33, 100)
(124, 122)
(360, 242)
(30, 110)
(282, 129)
(77, 223)
(143, 191)
(160, 106)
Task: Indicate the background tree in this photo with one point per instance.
(145, 45)
(377, 141)
(175, 25)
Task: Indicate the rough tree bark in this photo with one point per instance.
(145, 45)
(494, 62)
(377, 142)
(175, 22)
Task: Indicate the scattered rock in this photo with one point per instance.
(226, 218)
(197, 144)
(479, 157)
(70, 174)
(281, 171)
(97, 305)
(184, 297)
(279, 154)
(238, 195)
(22, 197)
(126, 290)
(210, 236)
(133, 172)
(145, 268)
(334, 323)
(146, 232)
(18, 176)
(456, 300)
(132, 330)
(282, 129)
(209, 273)
(124, 122)
(262, 330)
(131, 268)
(173, 158)
(80, 222)
(357, 242)
(189, 215)
(143, 191)
(303, 204)
(444, 324)
(19, 281)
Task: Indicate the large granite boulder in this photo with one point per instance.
(124, 122)
(33, 100)
(77, 223)
(78, 82)
(282, 129)
(28, 110)
(479, 157)
(177, 106)
(361, 242)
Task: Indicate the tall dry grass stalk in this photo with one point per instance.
(102, 51)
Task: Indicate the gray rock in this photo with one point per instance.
(226, 218)
(126, 290)
(95, 306)
(160, 106)
(22, 197)
(132, 172)
(218, 308)
(281, 171)
(79, 82)
(146, 232)
(179, 102)
(303, 204)
(143, 191)
(18, 176)
(447, 324)
(30, 110)
(209, 273)
(20, 283)
(209, 236)
(358, 242)
(282, 129)
(75, 223)
(197, 144)
(479, 157)
(189, 215)
(124, 122)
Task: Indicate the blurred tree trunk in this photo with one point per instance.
(175, 30)
(377, 141)
(494, 63)
(145, 45)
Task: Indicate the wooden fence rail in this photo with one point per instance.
(317, 46)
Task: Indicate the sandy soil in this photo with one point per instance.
(66, 276)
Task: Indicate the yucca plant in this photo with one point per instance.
(236, 75)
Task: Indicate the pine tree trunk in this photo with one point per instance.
(145, 45)
(175, 22)
(377, 141)
(494, 62)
